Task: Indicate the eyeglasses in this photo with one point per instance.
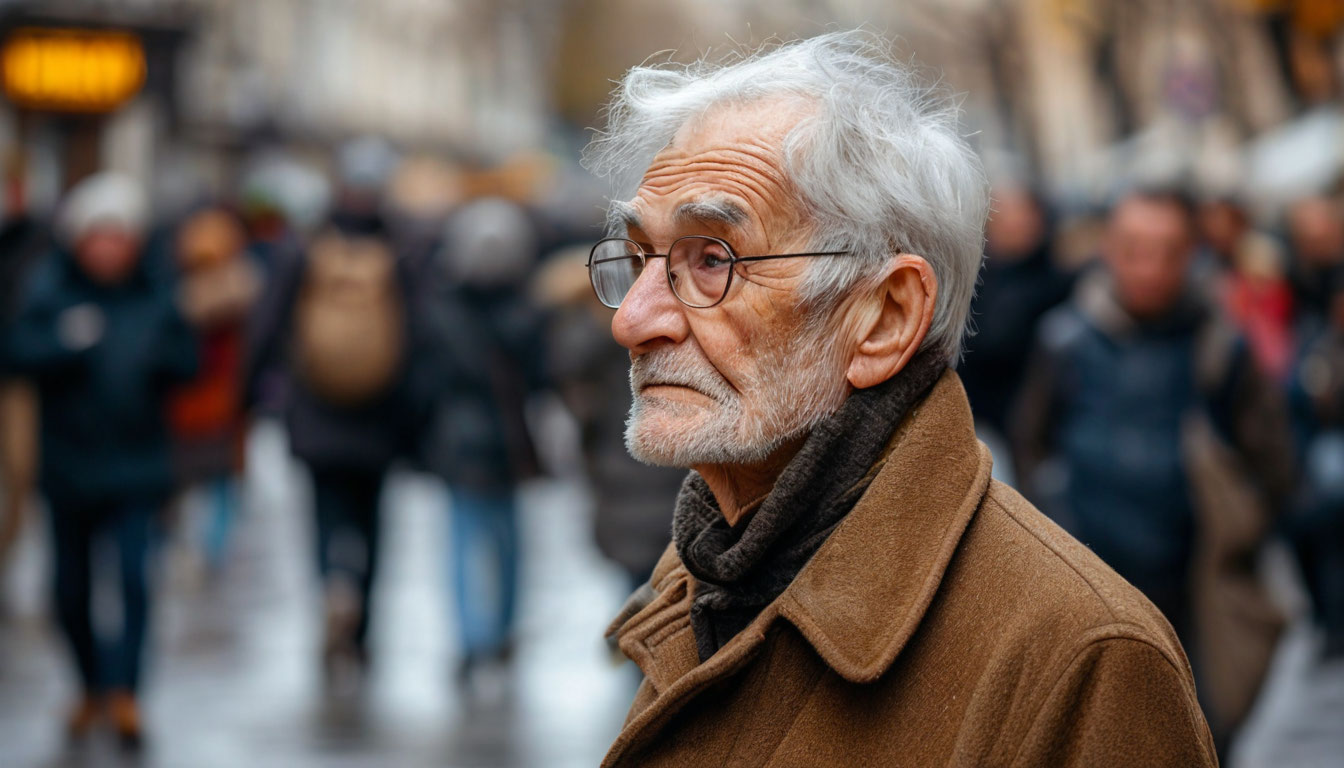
(699, 268)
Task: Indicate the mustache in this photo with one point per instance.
(678, 367)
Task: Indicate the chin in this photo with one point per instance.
(665, 435)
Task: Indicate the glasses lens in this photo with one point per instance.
(614, 268)
(700, 268)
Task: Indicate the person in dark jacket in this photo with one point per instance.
(1316, 525)
(335, 318)
(1316, 237)
(1018, 284)
(103, 340)
(22, 240)
(1167, 448)
(486, 359)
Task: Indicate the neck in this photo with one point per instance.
(740, 488)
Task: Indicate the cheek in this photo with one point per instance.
(735, 348)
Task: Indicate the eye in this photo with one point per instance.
(714, 256)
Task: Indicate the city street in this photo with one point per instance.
(236, 681)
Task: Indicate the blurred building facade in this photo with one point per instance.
(222, 78)
(1068, 95)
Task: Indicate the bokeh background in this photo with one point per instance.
(434, 144)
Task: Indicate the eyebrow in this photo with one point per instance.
(724, 212)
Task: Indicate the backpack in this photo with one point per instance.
(349, 320)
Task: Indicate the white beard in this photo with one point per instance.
(800, 384)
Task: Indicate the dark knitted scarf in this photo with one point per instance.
(740, 569)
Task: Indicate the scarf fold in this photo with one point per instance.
(740, 569)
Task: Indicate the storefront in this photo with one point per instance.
(83, 92)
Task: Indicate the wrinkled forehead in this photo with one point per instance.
(725, 165)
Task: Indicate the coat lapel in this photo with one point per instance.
(866, 590)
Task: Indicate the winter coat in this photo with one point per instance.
(1170, 458)
(206, 414)
(102, 407)
(945, 621)
(483, 357)
(367, 435)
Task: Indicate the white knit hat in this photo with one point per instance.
(105, 198)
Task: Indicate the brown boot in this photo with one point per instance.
(125, 716)
(83, 717)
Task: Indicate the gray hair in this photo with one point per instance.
(879, 164)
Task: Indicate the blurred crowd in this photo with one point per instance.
(410, 322)
(1165, 386)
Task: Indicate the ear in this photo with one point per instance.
(896, 322)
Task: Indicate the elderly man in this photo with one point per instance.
(846, 586)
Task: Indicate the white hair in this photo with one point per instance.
(879, 163)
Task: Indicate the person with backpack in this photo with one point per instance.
(337, 315)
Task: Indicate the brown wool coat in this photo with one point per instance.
(945, 622)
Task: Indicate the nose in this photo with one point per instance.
(649, 314)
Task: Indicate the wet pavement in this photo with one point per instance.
(236, 682)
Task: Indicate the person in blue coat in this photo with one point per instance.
(100, 335)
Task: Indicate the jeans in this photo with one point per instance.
(347, 505)
(106, 661)
(484, 568)
(222, 500)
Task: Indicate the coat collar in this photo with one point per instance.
(866, 590)
(864, 593)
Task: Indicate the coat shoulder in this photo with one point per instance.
(1070, 594)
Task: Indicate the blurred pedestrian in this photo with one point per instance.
(218, 286)
(1018, 284)
(485, 360)
(1169, 449)
(631, 499)
(102, 338)
(1316, 240)
(1248, 273)
(336, 315)
(1258, 298)
(22, 240)
(1316, 526)
(282, 202)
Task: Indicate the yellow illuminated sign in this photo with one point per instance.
(71, 69)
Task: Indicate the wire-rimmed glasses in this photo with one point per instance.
(699, 268)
